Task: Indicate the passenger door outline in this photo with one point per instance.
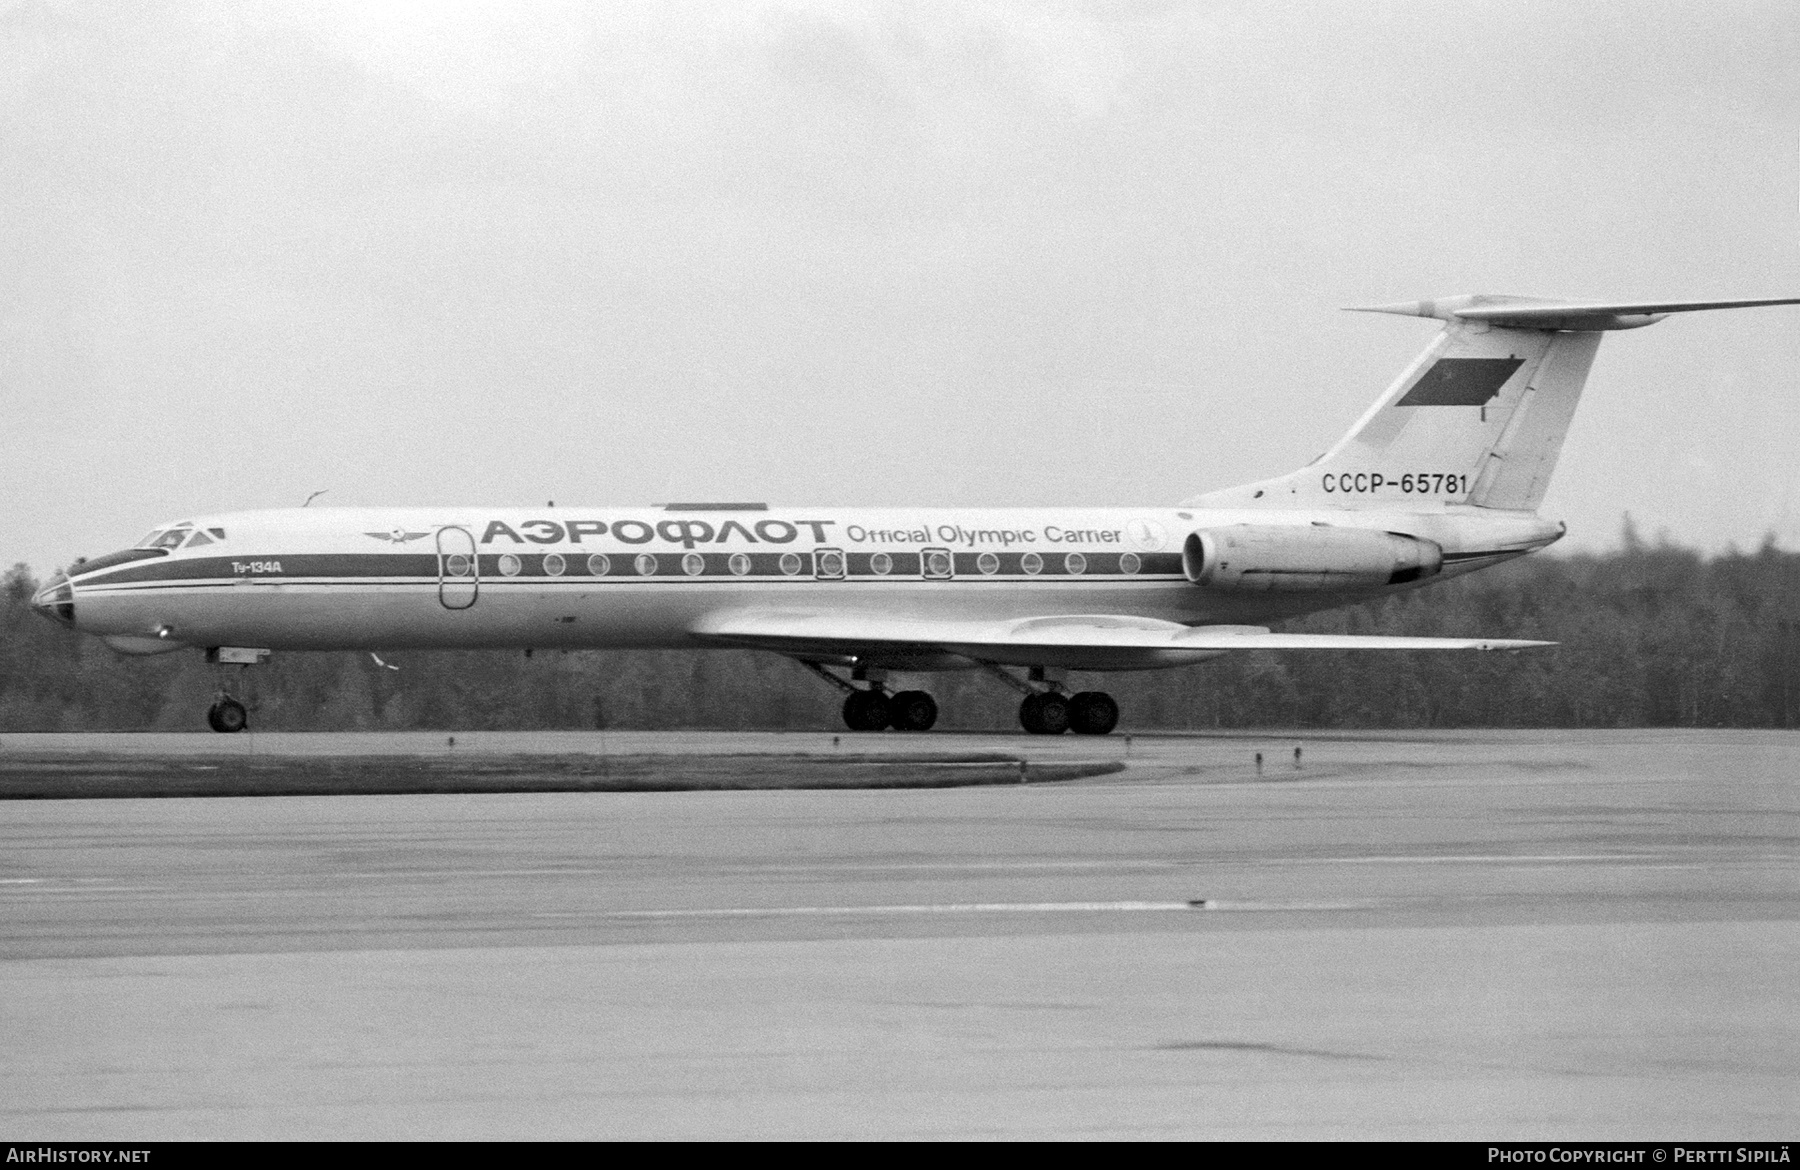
(458, 590)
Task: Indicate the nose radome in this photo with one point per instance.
(56, 600)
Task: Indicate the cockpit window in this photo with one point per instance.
(169, 538)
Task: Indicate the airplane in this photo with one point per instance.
(1441, 476)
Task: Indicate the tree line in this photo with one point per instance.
(1649, 636)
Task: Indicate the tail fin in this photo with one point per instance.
(1478, 418)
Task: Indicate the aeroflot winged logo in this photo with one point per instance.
(397, 535)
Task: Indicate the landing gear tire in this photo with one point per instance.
(227, 715)
(1093, 713)
(913, 711)
(867, 711)
(1044, 714)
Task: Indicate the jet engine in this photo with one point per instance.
(1252, 558)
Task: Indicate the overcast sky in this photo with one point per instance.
(885, 253)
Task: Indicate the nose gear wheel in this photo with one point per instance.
(227, 714)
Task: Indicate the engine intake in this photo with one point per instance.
(1268, 559)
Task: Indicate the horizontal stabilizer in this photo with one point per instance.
(1541, 313)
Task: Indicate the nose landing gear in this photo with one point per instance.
(228, 714)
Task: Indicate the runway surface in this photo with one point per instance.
(1477, 935)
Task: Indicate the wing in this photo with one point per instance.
(1074, 641)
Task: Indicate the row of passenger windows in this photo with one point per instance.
(827, 563)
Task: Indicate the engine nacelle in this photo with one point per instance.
(1253, 558)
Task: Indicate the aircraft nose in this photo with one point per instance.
(56, 600)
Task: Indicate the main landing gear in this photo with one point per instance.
(1044, 712)
(872, 708)
(1050, 712)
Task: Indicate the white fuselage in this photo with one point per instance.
(474, 577)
